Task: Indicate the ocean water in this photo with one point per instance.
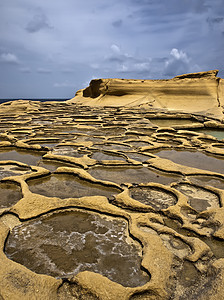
(35, 99)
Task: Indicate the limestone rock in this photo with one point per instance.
(195, 92)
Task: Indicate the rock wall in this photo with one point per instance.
(195, 92)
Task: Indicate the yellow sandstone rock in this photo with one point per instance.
(117, 193)
(194, 92)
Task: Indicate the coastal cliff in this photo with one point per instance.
(194, 92)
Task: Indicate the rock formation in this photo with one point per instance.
(120, 199)
(196, 92)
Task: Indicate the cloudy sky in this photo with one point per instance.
(52, 48)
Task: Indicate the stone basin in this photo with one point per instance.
(27, 157)
(171, 122)
(155, 197)
(199, 198)
(65, 243)
(69, 186)
(207, 181)
(68, 151)
(194, 159)
(131, 175)
(217, 133)
(111, 146)
(8, 170)
(99, 156)
(10, 194)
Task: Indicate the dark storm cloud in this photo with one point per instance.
(215, 20)
(117, 23)
(216, 23)
(161, 7)
(39, 21)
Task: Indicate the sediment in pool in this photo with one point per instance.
(69, 186)
(65, 243)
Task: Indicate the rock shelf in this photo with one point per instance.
(102, 201)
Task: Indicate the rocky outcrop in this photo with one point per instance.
(207, 74)
(195, 92)
(110, 203)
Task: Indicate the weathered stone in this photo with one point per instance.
(117, 193)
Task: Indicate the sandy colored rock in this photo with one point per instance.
(194, 92)
(138, 161)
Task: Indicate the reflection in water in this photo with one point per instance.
(132, 175)
(69, 186)
(172, 122)
(103, 156)
(27, 157)
(217, 133)
(10, 194)
(207, 180)
(194, 159)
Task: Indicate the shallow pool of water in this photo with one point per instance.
(113, 131)
(199, 198)
(131, 175)
(99, 156)
(66, 243)
(27, 157)
(111, 146)
(12, 170)
(207, 180)
(217, 133)
(69, 186)
(172, 122)
(53, 165)
(68, 151)
(155, 197)
(138, 157)
(194, 159)
(10, 194)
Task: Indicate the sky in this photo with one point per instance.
(52, 48)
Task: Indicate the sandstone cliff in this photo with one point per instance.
(195, 92)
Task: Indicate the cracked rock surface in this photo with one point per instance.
(107, 202)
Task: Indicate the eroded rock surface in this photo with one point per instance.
(100, 200)
(194, 92)
(66, 243)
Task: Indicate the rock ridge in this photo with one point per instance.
(194, 92)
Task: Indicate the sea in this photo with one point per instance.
(42, 100)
